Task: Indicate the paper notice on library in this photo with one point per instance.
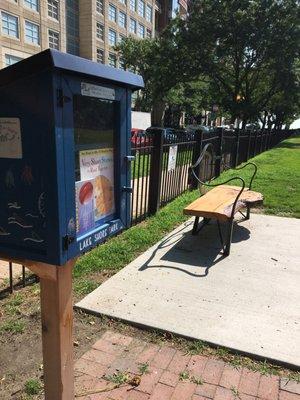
(10, 138)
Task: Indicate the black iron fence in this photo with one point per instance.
(160, 170)
(163, 157)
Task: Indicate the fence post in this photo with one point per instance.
(249, 144)
(219, 150)
(237, 148)
(255, 143)
(156, 172)
(196, 155)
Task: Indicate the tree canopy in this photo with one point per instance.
(244, 53)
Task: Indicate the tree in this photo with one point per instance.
(243, 47)
(158, 63)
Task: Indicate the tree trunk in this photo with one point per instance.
(157, 114)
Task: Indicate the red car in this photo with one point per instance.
(139, 139)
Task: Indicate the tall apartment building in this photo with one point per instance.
(88, 28)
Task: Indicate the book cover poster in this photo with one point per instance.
(98, 165)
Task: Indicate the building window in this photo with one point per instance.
(100, 56)
(99, 7)
(149, 13)
(141, 8)
(123, 1)
(32, 33)
(112, 13)
(141, 31)
(121, 64)
(100, 31)
(149, 33)
(72, 27)
(10, 60)
(53, 9)
(10, 25)
(132, 5)
(112, 60)
(121, 38)
(132, 25)
(122, 19)
(53, 40)
(112, 37)
(33, 4)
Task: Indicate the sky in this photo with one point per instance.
(295, 124)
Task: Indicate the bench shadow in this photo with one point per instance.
(194, 255)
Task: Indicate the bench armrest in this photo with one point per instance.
(244, 166)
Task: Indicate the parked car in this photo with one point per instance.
(191, 129)
(140, 140)
(169, 134)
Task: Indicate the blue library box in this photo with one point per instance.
(64, 155)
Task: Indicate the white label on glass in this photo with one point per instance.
(87, 89)
(10, 138)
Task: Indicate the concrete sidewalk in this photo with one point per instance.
(249, 301)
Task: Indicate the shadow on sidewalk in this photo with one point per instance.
(202, 251)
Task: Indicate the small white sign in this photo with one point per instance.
(101, 92)
(172, 158)
(10, 138)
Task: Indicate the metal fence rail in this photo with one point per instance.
(160, 170)
(156, 180)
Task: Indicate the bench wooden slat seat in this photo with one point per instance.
(218, 202)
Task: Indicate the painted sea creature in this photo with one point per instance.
(31, 215)
(41, 204)
(10, 179)
(26, 175)
(3, 232)
(34, 238)
(14, 205)
(16, 219)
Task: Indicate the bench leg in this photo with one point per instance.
(195, 227)
(248, 213)
(229, 237)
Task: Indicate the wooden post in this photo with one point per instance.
(57, 326)
(57, 333)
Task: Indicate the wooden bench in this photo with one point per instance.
(222, 203)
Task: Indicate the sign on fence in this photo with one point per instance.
(172, 158)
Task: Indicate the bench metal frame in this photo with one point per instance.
(226, 245)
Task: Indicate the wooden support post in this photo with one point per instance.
(57, 326)
(57, 333)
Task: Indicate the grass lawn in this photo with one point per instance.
(278, 178)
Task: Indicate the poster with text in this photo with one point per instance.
(98, 164)
(10, 138)
(172, 158)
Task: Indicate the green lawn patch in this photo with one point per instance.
(121, 250)
(278, 178)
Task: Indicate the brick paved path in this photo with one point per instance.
(204, 378)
